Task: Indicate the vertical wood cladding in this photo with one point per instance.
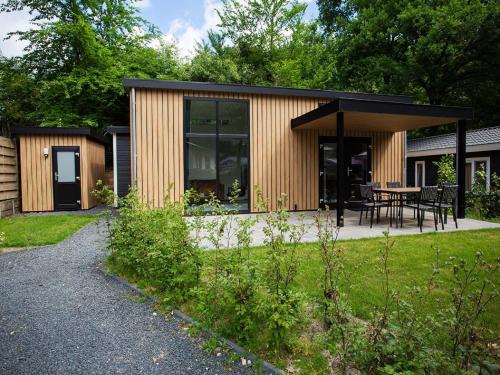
(281, 160)
(37, 174)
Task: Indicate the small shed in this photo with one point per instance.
(59, 167)
(122, 178)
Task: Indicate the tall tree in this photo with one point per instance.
(258, 29)
(78, 52)
(440, 51)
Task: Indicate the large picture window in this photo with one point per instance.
(217, 147)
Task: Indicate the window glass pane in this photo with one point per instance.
(420, 174)
(233, 117)
(329, 193)
(233, 165)
(201, 168)
(65, 166)
(468, 176)
(202, 116)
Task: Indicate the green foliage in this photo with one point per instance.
(439, 51)
(446, 170)
(473, 290)
(227, 297)
(72, 69)
(103, 193)
(282, 307)
(154, 245)
(482, 201)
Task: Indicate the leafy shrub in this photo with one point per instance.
(397, 338)
(446, 170)
(226, 299)
(154, 245)
(281, 305)
(103, 193)
(481, 201)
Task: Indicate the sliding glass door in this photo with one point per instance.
(356, 173)
(217, 148)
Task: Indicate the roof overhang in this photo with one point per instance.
(118, 130)
(257, 90)
(380, 115)
(87, 132)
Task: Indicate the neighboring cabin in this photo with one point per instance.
(483, 148)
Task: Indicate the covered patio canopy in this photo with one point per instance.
(385, 116)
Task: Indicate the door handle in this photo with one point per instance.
(77, 178)
(56, 176)
(349, 170)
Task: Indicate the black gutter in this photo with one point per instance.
(88, 132)
(383, 107)
(261, 90)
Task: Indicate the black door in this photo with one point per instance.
(357, 172)
(66, 167)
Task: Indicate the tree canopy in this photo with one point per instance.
(439, 51)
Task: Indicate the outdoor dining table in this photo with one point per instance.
(399, 193)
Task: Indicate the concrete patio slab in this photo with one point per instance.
(352, 229)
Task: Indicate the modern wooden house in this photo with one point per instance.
(482, 150)
(59, 167)
(316, 146)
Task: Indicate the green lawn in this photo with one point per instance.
(22, 231)
(411, 263)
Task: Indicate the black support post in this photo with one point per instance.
(340, 169)
(460, 163)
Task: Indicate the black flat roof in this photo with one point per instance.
(88, 132)
(118, 129)
(386, 115)
(262, 90)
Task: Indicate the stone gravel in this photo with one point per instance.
(60, 315)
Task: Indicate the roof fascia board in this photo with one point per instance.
(262, 90)
(87, 132)
(316, 114)
(409, 109)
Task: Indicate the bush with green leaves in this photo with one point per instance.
(482, 201)
(281, 304)
(226, 299)
(154, 245)
(398, 338)
(446, 170)
(103, 193)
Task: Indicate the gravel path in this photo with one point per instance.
(60, 315)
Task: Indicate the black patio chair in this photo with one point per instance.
(448, 200)
(369, 203)
(391, 185)
(378, 196)
(427, 200)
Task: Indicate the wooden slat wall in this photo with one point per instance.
(36, 169)
(94, 159)
(9, 196)
(281, 160)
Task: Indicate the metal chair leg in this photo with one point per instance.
(441, 218)
(455, 217)
(360, 216)
(371, 217)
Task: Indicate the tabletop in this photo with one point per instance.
(400, 190)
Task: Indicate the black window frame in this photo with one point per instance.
(216, 136)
